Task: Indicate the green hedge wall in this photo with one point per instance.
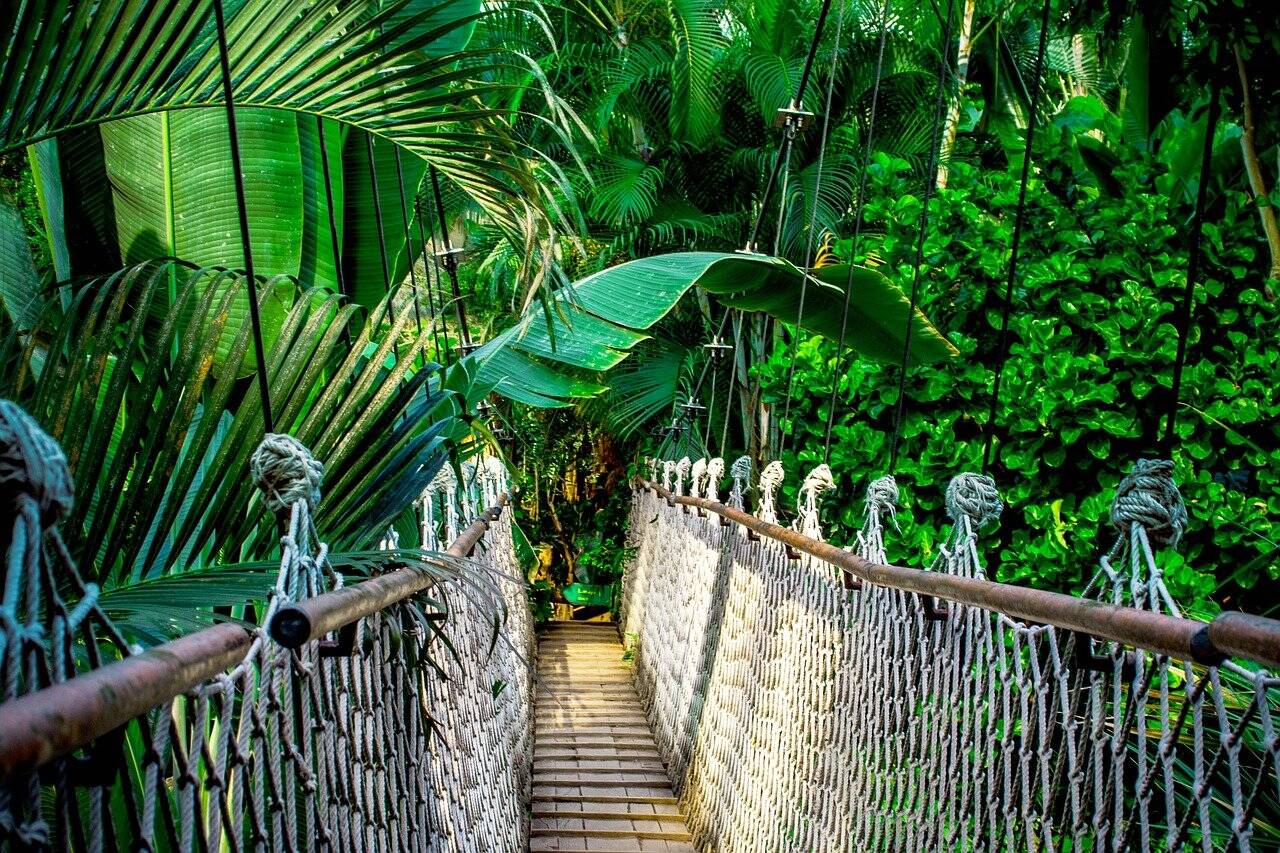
(1088, 379)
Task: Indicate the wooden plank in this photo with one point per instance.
(605, 798)
(657, 835)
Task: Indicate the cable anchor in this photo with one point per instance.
(793, 119)
(717, 349)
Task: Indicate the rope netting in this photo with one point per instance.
(366, 748)
(796, 714)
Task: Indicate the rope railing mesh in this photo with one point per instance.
(797, 714)
(403, 741)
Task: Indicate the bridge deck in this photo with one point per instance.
(598, 781)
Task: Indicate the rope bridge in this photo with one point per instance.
(807, 697)
(400, 734)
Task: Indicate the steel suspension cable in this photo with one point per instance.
(789, 133)
(450, 265)
(408, 241)
(1019, 221)
(242, 209)
(437, 315)
(1194, 258)
(382, 238)
(334, 241)
(706, 365)
(813, 219)
(935, 142)
(858, 218)
(728, 398)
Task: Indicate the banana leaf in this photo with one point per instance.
(594, 323)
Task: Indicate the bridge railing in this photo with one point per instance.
(350, 718)
(808, 697)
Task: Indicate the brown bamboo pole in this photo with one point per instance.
(1230, 634)
(41, 726)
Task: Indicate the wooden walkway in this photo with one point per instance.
(598, 781)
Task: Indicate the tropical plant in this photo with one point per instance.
(158, 430)
(1087, 385)
(592, 324)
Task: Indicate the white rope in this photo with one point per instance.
(795, 715)
(286, 750)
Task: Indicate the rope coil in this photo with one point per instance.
(973, 496)
(1148, 496)
(286, 472)
(882, 497)
(32, 465)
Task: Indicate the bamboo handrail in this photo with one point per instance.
(49, 723)
(1229, 634)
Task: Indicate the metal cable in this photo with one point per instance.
(437, 315)
(450, 264)
(382, 238)
(1019, 219)
(1194, 257)
(778, 160)
(930, 172)
(857, 230)
(242, 209)
(813, 217)
(408, 241)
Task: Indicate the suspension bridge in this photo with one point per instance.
(776, 692)
(763, 690)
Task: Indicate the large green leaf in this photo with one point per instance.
(396, 69)
(174, 194)
(593, 323)
(878, 309)
(367, 283)
(19, 283)
(46, 174)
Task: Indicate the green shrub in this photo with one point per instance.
(1087, 383)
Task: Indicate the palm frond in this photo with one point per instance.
(158, 430)
(355, 61)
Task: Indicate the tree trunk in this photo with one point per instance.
(1257, 181)
(953, 108)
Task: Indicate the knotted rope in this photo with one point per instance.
(682, 471)
(770, 480)
(32, 465)
(697, 478)
(286, 472)
(882, 497)
(1149, 497)
(807, 519)
(880, 719)
(740, 471)
(973, 496)
(715, 472)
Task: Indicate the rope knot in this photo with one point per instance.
(32, 465)
(1148, 496)
(286, 472)
(818, 481)
(973, 496)
(882, 495)
(715, 473)
(697, 474)
(682, 471)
